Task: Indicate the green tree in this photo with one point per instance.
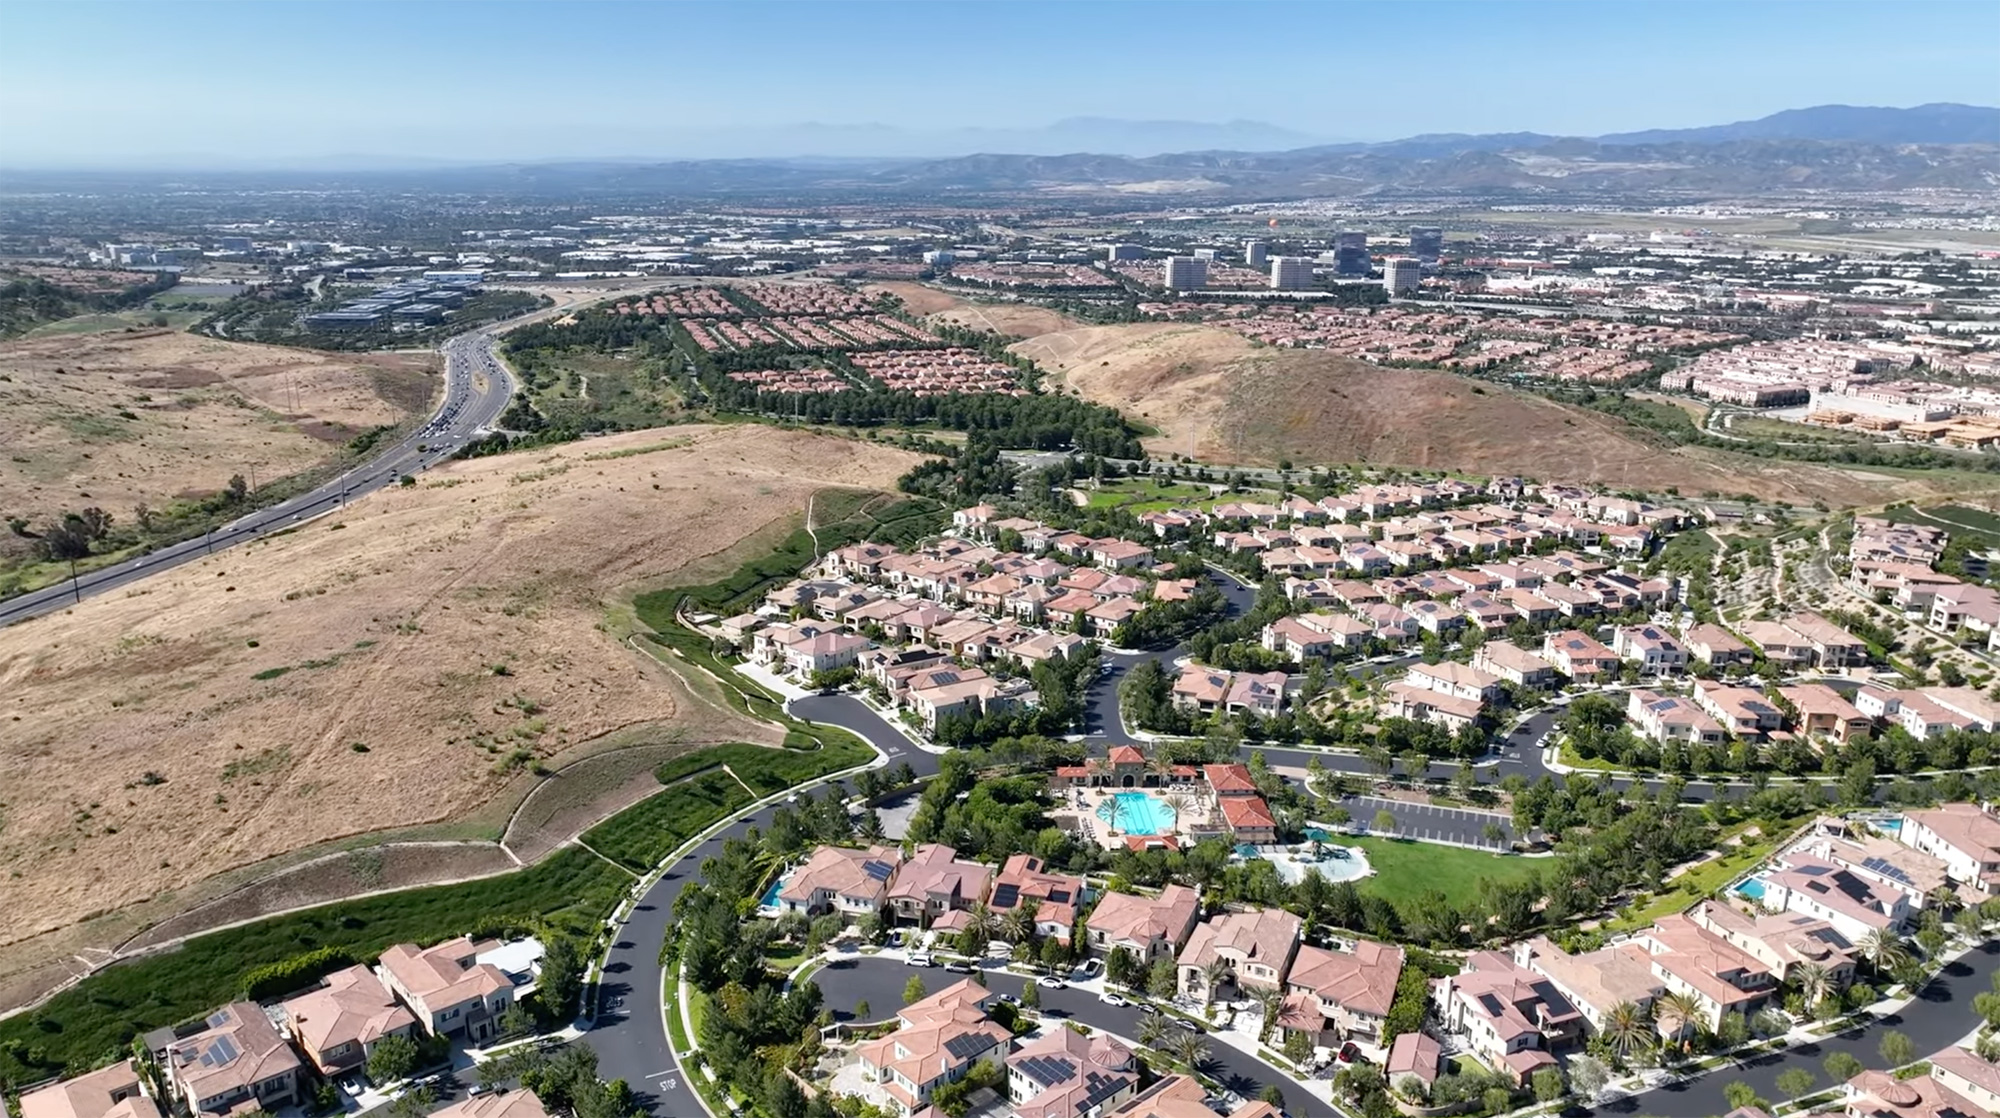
(1031, 994)
(1796, 1082)
(1164, 979)
(1385, 822)
(1548, 1084)
(1740, 1094)
(1842, 1066)
(1897, 1049)
(913, 990)
(1588, 1076)
(394, 1058)
(560, 984)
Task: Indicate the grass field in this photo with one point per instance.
(1405, 869)
(1696, 884)
(1145, 494)
(92, 1022)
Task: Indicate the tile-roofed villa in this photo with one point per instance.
(111, 1092)
(841, 879)
(449, 990)
(1339, 994)
(937, 1041)
(1065, 1074)
(239, 1062)
(1182, 1096)
(514, 1104)
(338, 1024)
(1150, 927)
(1506, 1010)
(1965, 837)
(1024, 877)
(934, 882)
(1257, 947)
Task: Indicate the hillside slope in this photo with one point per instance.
(1211, 393)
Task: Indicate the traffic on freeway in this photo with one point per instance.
(476, 391)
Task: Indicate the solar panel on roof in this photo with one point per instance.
(1006, 895)
(218, 1019)
(1098, 1086)
(221, 1052)
(1059, 896)
(967, 1046)
(1048, 1070)
(879, 871)
(1888, 870)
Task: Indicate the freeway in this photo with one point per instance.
(880, 981)
(476, 390)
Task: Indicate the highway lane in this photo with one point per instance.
(846, 982)
(476, 391)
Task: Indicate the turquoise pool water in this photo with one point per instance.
(770, 898)
(1752, 889)
(1137, 813)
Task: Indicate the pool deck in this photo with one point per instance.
(1082, 804)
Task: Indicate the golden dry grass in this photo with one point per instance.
(388, 627)
(1019, 320)
(201, 410)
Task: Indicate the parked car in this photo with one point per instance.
(1091, 968)
(959, 968)
(1148, 1009)
(1350, 1054)
(1051, 982)
(1109, 998)
(919, 959)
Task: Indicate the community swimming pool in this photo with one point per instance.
(1137, 813)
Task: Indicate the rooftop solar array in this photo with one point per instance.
(967, 1046)
(218, 1019)
(1887, 869)
(1059, 896)
(1006, 895)
(878, 870)
(219, 1053)
(1097, 1086)
(1047, 1070)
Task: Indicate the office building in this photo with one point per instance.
(1126, 252)
(1291, 273)
(939, 258)
(1185, 273)
(1402, 274)
(1350, 253)
(1255, 253)
(1204, 255)
(1426, 243)
(234, 244)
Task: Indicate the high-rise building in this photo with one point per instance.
(1255, 253)
(1126, 252)
(1350, 253)
(1291, 273)
(1426, 243)
(1402, 274)
(939, 257)
(1185, 273)
(1204, 254)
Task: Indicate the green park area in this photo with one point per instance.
(1405, 870)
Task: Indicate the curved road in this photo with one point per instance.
(477, 389)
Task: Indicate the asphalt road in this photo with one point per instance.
(880, 982)
(477, 389)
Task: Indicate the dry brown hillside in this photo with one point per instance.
(120, 419)
(1210, 392)
(391, 666)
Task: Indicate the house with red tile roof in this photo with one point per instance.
(937, 1041)
(1336, 995)
(1149, 926)
(935, 882)
(1067, 1074)
(111, 1092)
(338, 1024)
(1255, 948)
(1057, 896)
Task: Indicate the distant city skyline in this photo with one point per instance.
(310, 83)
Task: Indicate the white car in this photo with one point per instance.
(1109, 998)
(1051, 982)
(919, 959)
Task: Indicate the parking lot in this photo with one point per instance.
(1432, 823)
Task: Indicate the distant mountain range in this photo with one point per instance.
(1828, 147)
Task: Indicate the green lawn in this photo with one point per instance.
(1129, 493)
(1406, 869)
(1698, 883)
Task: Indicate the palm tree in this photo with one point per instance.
(982, 924)
(1684, 1010)
(1213, 975)
(1159, 764)
(1189, 1049)
(1178, 803)
(1272, 1003)
(1625, 1026)
(1814, 983)
(1942, 900)
(1883, 949)
(1019, 923)
(1155, 1030)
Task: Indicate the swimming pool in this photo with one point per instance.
(1137, 813)
(770, 897)
(1753, 889)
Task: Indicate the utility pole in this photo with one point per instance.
(74, 587)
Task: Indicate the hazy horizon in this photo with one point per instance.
(312, 85)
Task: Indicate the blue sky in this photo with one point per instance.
(85, 83)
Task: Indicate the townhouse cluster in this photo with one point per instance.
(1896, 565)
(1781, 373)
(1720, 709)
(1062, 1073)
(247, 1057)
(951, 607)
(1812, 906)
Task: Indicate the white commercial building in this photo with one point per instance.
(1255, 253)
(1185, 273)
(1291, 273)
(1402, 274)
